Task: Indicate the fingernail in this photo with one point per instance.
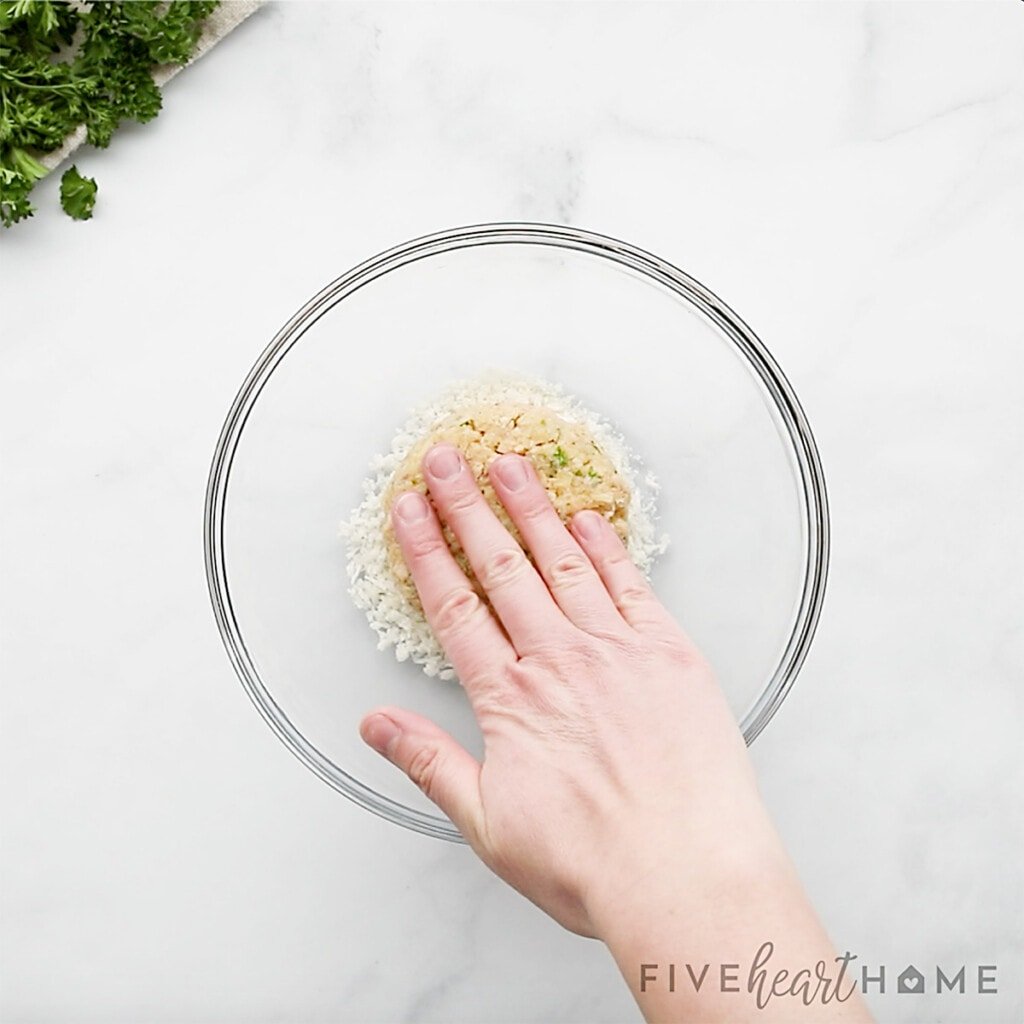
(412, 507)
(380, 732)
(512, 472)
(588, 524)
(443, 463)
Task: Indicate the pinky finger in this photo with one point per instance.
(632, 594)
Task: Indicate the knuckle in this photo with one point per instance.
(462, 502)
(616, 557)
(456, 609)
(568, 569)
(635, 650)
(592, 657)
(573, 654)
(423, 768)
(421, 548)
(617, 637)
(677, 651)
(503, 567)
(633, 596)
(535, 507)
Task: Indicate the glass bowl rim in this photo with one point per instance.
(749, 346)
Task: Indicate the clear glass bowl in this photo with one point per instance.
(691, 387)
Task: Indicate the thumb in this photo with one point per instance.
(445, 771)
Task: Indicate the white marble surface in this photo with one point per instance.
(849, 177)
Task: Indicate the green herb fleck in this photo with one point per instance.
(559, 458)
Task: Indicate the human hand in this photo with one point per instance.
(610, 751)
(615, 790)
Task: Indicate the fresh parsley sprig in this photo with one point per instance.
(63, 66)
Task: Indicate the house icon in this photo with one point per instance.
(910, 980)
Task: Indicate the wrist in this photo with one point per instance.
(679, 879)
(718, 911)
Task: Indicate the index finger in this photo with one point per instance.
(469, 634)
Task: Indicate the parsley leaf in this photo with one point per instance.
(77, 194)
(64, 66)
